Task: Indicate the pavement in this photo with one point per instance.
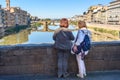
(106, 75)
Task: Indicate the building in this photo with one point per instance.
(20, 16)
(9, 19)
(15, 16)
(100, 15)
(2, 17)
(1, 22)
(92, 13)
(89, 16)
(114, 12)
(104, 15)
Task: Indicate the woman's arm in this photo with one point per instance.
(79, 38)
(54, 36)
(71, 36)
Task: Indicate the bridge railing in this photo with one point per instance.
(42, 58)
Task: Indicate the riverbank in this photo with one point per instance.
(105, 26)
(111, 32)
(16, 29)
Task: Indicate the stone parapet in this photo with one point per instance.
(42, 58)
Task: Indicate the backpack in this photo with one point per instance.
(85, 45)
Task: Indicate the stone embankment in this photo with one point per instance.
(105, 26)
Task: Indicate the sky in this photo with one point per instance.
(55, 8)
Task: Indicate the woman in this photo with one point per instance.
(80, 37)
(62, 38)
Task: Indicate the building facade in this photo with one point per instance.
(100, 15)
(21, 17)
(94, 13)
(114, 12)
(1, 22)
(103, 14)
(12, 16)
(2, 18)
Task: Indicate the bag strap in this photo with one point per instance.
(76, 37)
(78, 34)
(86, 33)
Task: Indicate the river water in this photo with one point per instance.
(36, 36)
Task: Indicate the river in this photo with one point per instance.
(36, 36)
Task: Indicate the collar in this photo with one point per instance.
(83, 28)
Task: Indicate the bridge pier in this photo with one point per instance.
(45, 26)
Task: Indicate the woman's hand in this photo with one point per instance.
(75, 48)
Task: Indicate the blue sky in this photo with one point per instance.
(55, 8)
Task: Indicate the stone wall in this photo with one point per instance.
(42, 58)
(1, 31)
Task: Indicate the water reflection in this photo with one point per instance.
(17, 38)
(44, 37)
(39, 37)
(35, 36)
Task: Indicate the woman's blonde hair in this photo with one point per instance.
(81, 24)
(64, 22)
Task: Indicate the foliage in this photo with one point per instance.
(73, 22)
(36, 24)
(15, 29)
(102, 30)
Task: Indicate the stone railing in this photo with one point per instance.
(42, 58)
